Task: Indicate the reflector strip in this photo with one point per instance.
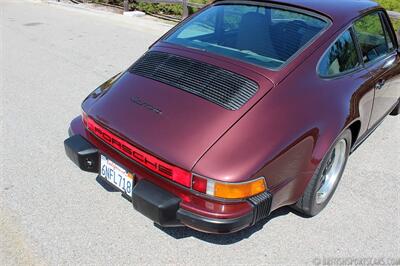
(152, 163)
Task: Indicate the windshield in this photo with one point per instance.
(261, 35)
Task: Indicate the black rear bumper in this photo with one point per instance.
(163, 208)
(212, 225)
(159, 205)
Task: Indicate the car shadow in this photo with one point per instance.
(226, 239)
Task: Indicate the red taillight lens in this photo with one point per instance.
(199, 184)
(162, 168)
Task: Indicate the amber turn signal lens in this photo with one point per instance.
(239, 190)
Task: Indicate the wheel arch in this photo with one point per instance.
(322, 145)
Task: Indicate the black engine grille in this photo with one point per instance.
(215, 84)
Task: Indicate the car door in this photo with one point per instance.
(342, 66)
(380, 55)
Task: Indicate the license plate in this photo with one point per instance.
(116, 175)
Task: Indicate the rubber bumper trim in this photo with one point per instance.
(213, 225)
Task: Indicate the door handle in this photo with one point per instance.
(389, 62)
(380, 84)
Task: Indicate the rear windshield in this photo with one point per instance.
(261, 35)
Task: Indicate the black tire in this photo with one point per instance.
(307, 204)
(396, 110)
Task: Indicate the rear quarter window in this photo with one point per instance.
(340, 58)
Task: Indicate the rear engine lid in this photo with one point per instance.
(176, 107)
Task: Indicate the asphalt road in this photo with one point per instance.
(53, 213)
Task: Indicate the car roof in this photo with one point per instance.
(336, 10)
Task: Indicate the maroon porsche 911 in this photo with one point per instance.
(242, 108)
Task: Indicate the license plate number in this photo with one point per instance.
(116, 175)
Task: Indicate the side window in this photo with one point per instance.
(340, 58)
(372, 37)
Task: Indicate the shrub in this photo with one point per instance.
(167, 9)
(396, 24)
(177, 10)
(393, 5)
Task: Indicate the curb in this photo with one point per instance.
(77, 6)
(149, 22)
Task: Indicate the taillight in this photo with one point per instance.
(199, 184)
(149, 161)
(229, 190)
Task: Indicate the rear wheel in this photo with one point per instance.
(326, 178)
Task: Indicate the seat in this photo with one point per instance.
(288, 39)
(254, 35)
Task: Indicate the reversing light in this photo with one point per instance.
(229, 190)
